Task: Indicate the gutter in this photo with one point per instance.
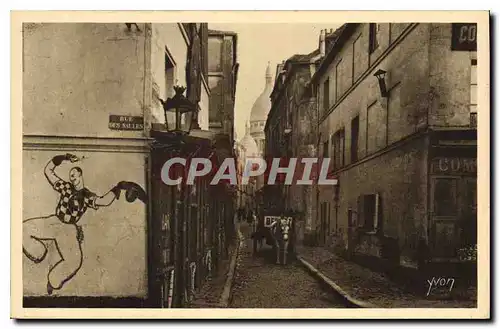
(348, 299)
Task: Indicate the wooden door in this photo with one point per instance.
(469, 212)
(445, 213)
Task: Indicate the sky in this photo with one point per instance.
(258, 44)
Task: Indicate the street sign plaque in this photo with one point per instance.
(126, 122)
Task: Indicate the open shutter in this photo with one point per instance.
(377, 212)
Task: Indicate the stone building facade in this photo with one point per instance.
(291, 132)
(222, 77)
(398, 199)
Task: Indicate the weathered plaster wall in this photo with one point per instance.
(114, 246)
(76, 75)
(449, 79)
(400, 177)
(409, 98)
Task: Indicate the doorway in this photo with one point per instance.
(453, 209)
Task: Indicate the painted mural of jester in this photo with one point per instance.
(61, 227)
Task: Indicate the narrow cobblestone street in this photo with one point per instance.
(260, 283)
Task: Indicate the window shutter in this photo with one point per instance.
(361, 211)
(377, 212)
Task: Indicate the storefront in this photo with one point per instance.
(180, 232)
(411, 206)
(452, 193)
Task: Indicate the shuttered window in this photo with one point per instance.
(369, 211)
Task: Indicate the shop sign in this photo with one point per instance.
(449, 165)
(126, 122)
(464, 36)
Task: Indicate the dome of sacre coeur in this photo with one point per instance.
(250, 146)
(262, 105)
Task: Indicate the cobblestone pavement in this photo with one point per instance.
(260, 283)
(373, 287)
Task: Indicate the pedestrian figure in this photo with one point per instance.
(258, 233)
(62, 227)
(241, 214)
(250, 217)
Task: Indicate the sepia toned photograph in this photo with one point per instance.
(171, 163)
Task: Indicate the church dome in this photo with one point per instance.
(262, 105)
(249, 145)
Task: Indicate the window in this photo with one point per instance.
(325, 149)
(445, 197)
(215, 54)
(356, 56)
(369, 212)
(214, 83)
(473, 91)
(326, 95)
(374, 30)
(338, 78)
(341, 144)
(169, 76)
(338, 149)
(216, 98)
(354, 139)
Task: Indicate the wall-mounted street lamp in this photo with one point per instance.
(380, 75)
(179, 113)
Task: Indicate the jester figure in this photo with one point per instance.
(61, 227)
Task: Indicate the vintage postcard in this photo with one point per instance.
(250, 165)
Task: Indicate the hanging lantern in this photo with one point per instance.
(179, 112)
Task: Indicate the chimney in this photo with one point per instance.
(322, 42)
